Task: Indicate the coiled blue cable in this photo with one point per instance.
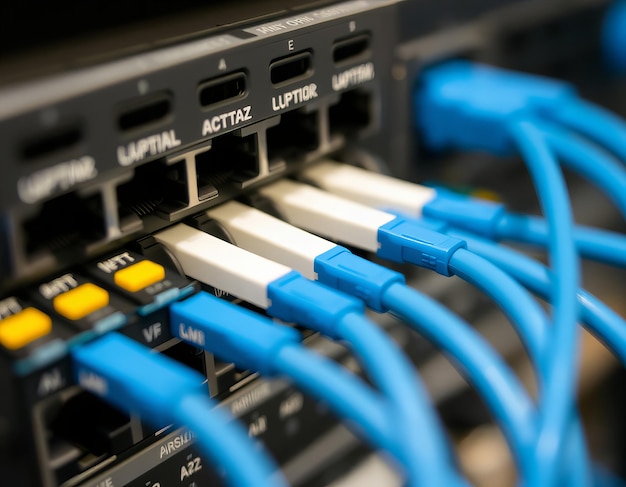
(557, 403)
(364, 410)
(600, 245)
(604, 323)
(297, 299)
(399, 380)
(229, 452)
(593, 121)
(479, 364)
(588, 160)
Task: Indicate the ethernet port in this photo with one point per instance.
(352, 114)
(64, 225)
(83, 433)
(86, 421)
(155, 187)
(296, 134)
(188, 355)
(230, 378)
(232, 158)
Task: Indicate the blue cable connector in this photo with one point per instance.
(291, 297)
(492, 220)
(352, 223)
(466, 106)
(251, 341)
(385, 290)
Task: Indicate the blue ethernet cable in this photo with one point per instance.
(254, 342)
(491, 220)
(130, 377)
(600, 245)
(379, 190)
(290, 297)
(557, 405)
(400, 240)
(481, 217)
(598, 124)
(460, 104)
(601, 321)
(384, 290)
(588, 160)
(403, 197)
(464, 106)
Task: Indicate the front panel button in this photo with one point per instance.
(81, 301)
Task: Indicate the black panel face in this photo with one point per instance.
(156, 137)
(46, 37)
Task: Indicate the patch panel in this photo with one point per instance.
(132, 137)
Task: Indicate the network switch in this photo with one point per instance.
(126, 137)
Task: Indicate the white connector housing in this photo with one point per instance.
(369, 188)
(221, 264)
(327, 214)
(270, 237)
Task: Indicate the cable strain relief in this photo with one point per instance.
(341, 269)
(404, 241)
(233, 333)
(296, 299)
(477, 216)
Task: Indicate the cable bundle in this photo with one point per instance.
(299, 277)
(471, 107)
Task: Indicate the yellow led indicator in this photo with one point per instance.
(80, 302)
(139, 276)
(23, 328)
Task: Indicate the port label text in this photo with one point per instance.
(294, 97)
(226, 120)
(353, 76)
(152, 145)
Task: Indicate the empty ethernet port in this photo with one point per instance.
(82, 433)
(296, 134)
(231, 159)
(156, 187)
(188, 355)
(352, 114)
(230, 379)
(64, 226)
